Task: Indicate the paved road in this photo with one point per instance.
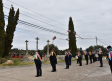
(91, 72)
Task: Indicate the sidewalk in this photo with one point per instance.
(91, 72)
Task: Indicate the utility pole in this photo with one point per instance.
(96, 43)
(37, 44)
(26, 47)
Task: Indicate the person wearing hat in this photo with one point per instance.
(109, 57)
(37, 60)
(100, 57)
(67, 60)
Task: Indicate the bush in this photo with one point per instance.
(2, 60)
(15, 60)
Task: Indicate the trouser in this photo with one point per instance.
(101, 63)
(80, 62)
(53, 67)
(86, 60)
(77, 61)
(39, 70)
(111, 68)
(90, 59)
(98, 58)
(93, 59)
(67, 64)
(69, 61)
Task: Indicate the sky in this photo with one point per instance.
(91, 18)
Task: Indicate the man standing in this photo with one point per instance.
(86, 57)
(109, 57)
(80, 58)
(100, 57)
(90, 56)
(77, 57)
(70, 57)
(37, 60)
(67, 60)
(93, 55)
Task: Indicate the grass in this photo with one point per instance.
(17, 64)
(29, 63)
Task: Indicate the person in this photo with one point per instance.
(70, 57)
(93, 56)
(41, 61)
(90, 56)
(67, 60)
(109, 57)
(53, 60)
(96, 55)
(77, 57)
(37, 60)
(86, 57)
(100, 57)
(80, 58)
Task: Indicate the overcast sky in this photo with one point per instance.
(91, 18)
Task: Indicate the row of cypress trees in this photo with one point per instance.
(6, 37)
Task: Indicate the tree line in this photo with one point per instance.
(58, 52)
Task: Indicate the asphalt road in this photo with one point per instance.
(91, 72)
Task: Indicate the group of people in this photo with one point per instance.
(93, 55)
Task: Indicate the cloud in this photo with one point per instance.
(90, 18)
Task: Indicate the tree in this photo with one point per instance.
(2, 31)
(51, 46)
(12, 22)
(104, 50)
(72, 38)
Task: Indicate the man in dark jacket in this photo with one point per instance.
(67, 60)
(86, 57)
(37, 59)
(109, 57)
(70, 57)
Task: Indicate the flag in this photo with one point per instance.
(67, 39)
(68, 30)
(75, 33)
(54, 38)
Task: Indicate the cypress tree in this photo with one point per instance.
(2, 31)
(12, 22)
(72, 38)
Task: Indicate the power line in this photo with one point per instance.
(38, 20)
(44, 22)
(42, 28)
(29, 24)
(102, 42)
(35, 12)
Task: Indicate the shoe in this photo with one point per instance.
(40, 75)
(66, 68)
(36, 76)
(100, 66)
(86, 64)
(52, 71)
(80, 65)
